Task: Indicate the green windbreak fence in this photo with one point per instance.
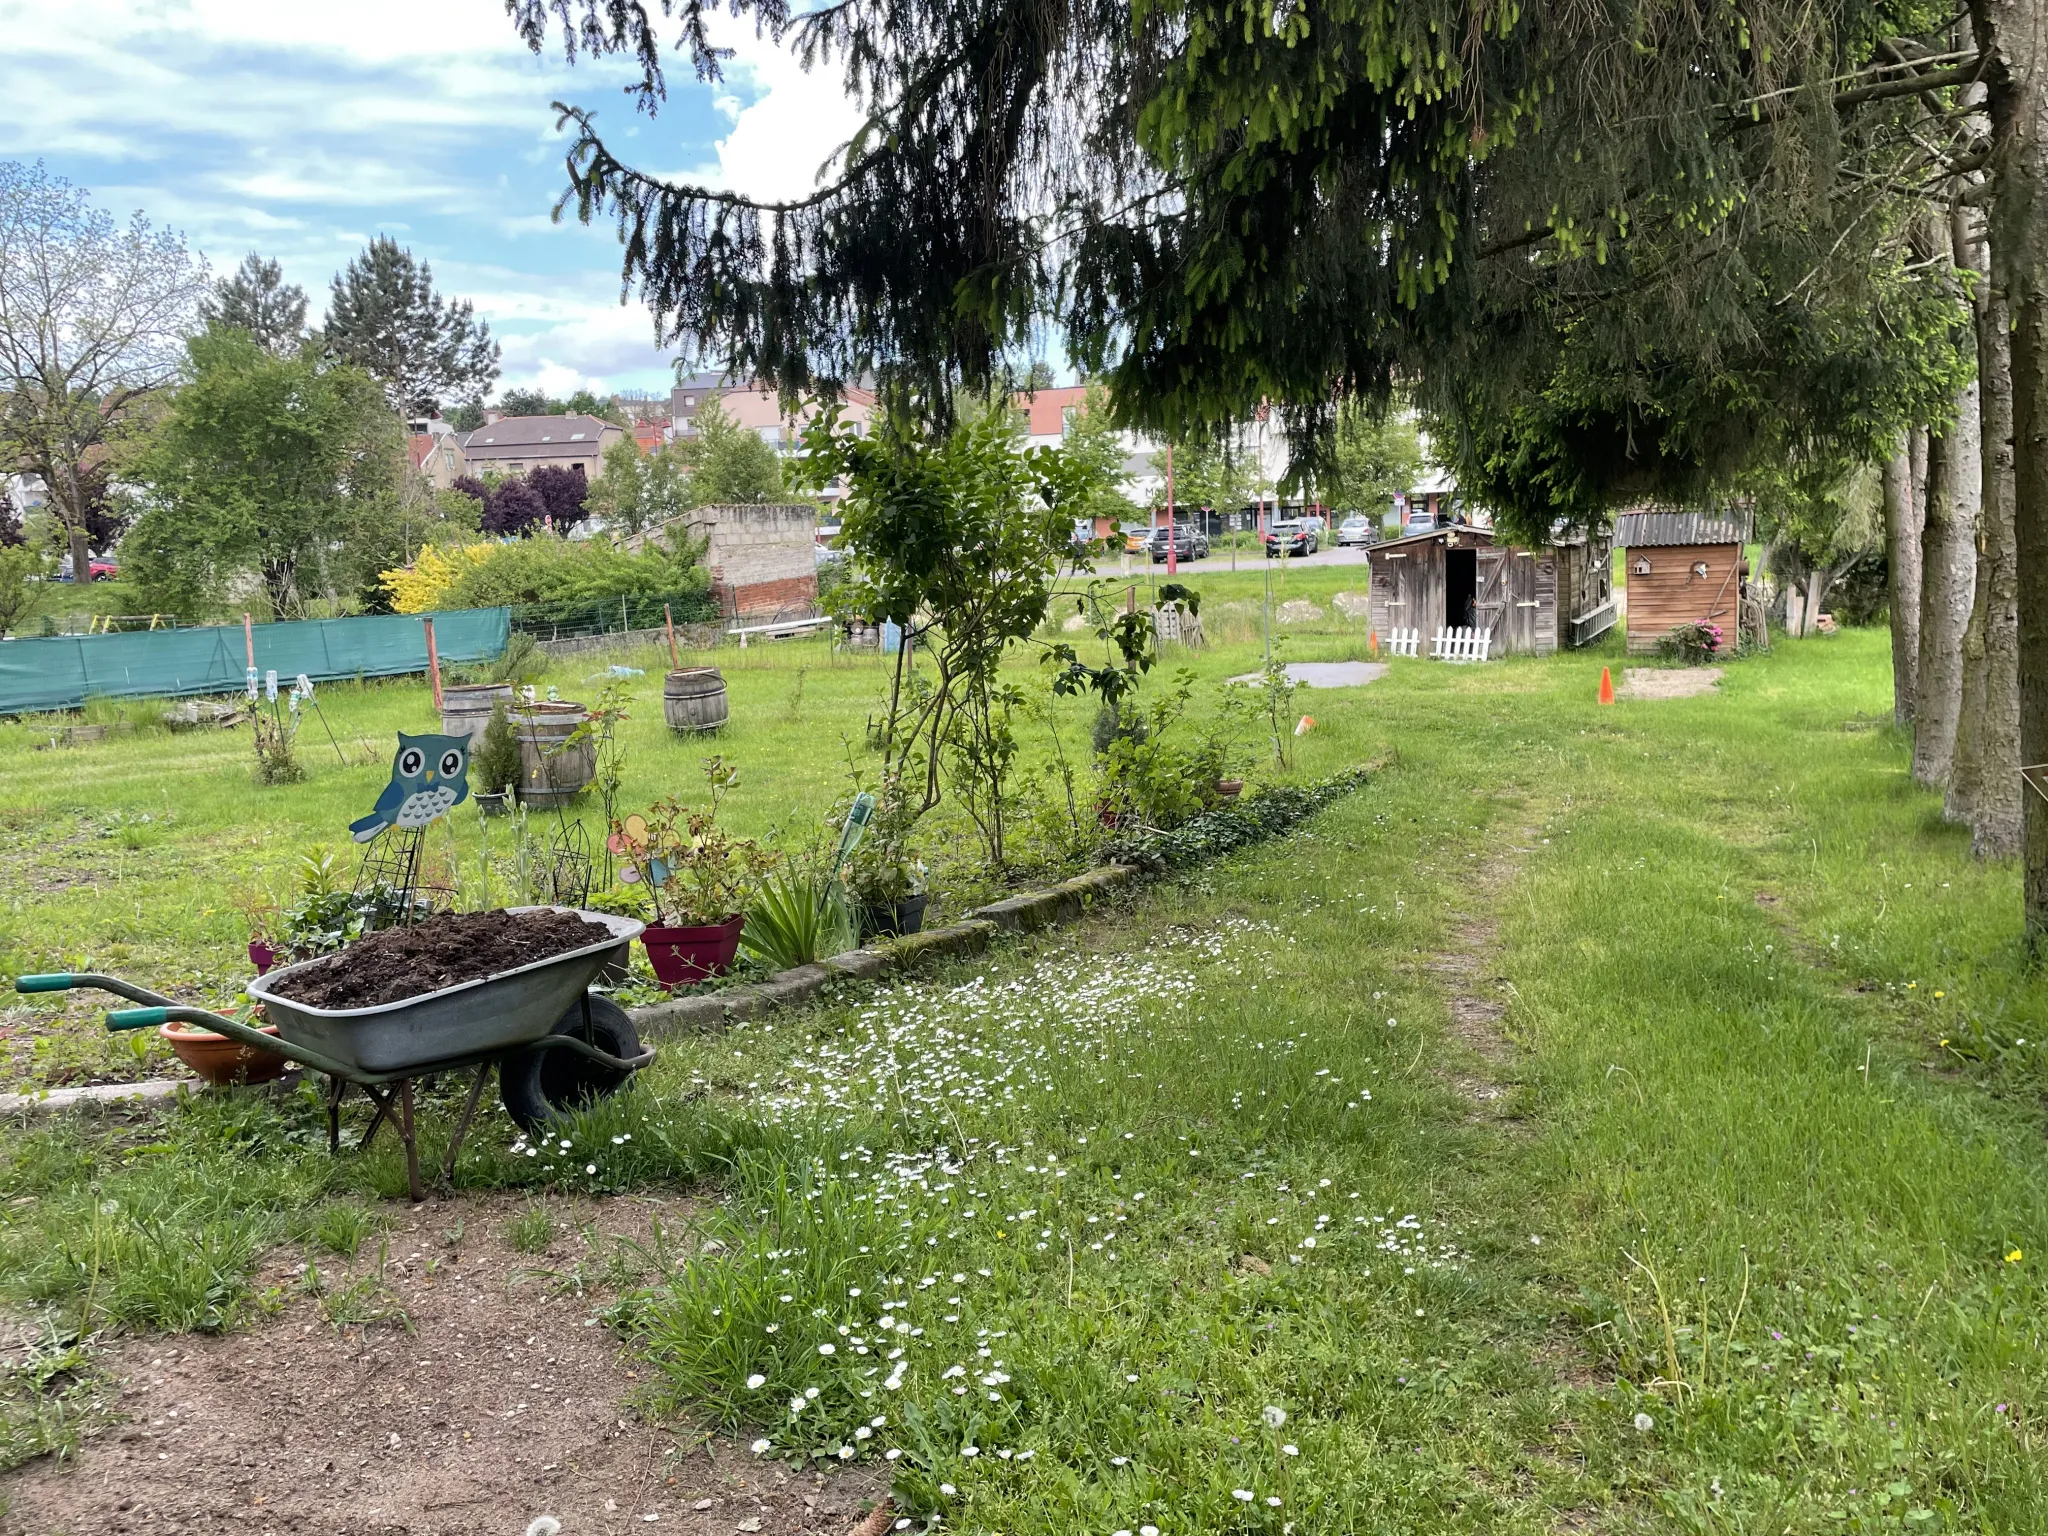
(62, 672)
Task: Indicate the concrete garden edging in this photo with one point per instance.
(1026, 913)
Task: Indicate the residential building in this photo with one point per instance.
(436, 452)
(758, 408)
(512, 445)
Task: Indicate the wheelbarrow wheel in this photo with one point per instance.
(539, 1085)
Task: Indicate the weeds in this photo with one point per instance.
(532, 1231)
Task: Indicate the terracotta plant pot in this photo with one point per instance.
(892, 922)
(262, 956)
(216, 1059)
(1229, 789)
(1109, 818)
(682, 957)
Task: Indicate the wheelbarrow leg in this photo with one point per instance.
(383, 1101)
(412, 1151)
(476, 1093)
(336, 1087)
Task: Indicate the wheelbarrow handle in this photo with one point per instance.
(136, 1018)
(64, 981)
(234, 1029)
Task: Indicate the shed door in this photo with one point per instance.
(1507, 600)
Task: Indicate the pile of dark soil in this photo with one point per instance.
(442, 951)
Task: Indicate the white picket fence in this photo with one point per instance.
(1404, 642)
(1461, 644)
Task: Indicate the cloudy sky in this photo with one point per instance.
(302, 128)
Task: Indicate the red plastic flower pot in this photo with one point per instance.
(682, 957)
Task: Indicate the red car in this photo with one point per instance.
(104, 570)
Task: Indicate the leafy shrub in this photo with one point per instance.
(797, 919)
(497, 756)
(546, 569)
(1229, 827)
(1692, 644)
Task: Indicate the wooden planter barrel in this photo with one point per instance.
(550, 774)
(694, 699)
(466, 708)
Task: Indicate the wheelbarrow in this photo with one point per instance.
(556, 1045)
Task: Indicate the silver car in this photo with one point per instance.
(1358, 531)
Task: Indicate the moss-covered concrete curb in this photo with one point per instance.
(1028, 913)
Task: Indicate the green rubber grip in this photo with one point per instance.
(136, 1018)
(54, 981)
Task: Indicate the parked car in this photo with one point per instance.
(103, 570)
(1358, 530)
(1136, 537)
(1188, 543)
(1292, 536)
(1420, 520)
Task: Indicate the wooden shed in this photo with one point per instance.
(1682, 568)
(1535, 601)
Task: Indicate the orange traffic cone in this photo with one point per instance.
(1606, 686)
(1304, 725)
(1372, 642)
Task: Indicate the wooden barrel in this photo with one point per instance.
(549, 773)
(694, 699)
(466, 708)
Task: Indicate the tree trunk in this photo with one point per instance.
(1987, 792)
(1902, 557)
(2011, 35)
(1948, 563)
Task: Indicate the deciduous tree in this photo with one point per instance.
(93, 318)
(729, 465)
(283, 468)
(639, 490)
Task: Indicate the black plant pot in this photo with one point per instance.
(499, 804)
(906, 916)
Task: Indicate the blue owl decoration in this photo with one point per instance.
(429, 778)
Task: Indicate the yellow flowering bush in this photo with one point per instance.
(423, 586)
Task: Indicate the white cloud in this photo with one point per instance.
(786, 121)
(301, 129)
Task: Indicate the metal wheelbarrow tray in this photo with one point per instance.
(512, 1021)
(469, 1019)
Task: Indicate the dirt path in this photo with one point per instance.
(1476, 995)
(458, 1391)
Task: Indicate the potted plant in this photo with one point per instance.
(496, 768)
(698, 881)
(883, 874)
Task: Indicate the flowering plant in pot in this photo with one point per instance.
(698, 881)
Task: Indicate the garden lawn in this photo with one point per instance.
(156, 854)
(1214, 1215)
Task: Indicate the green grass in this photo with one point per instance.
(1738, 1191)
(154, 854)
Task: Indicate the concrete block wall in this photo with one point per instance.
(763, 560)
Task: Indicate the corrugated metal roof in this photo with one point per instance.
(1637, 530)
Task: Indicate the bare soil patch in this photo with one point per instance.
(443, 1384)
(1669, 682)
(442, 951)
